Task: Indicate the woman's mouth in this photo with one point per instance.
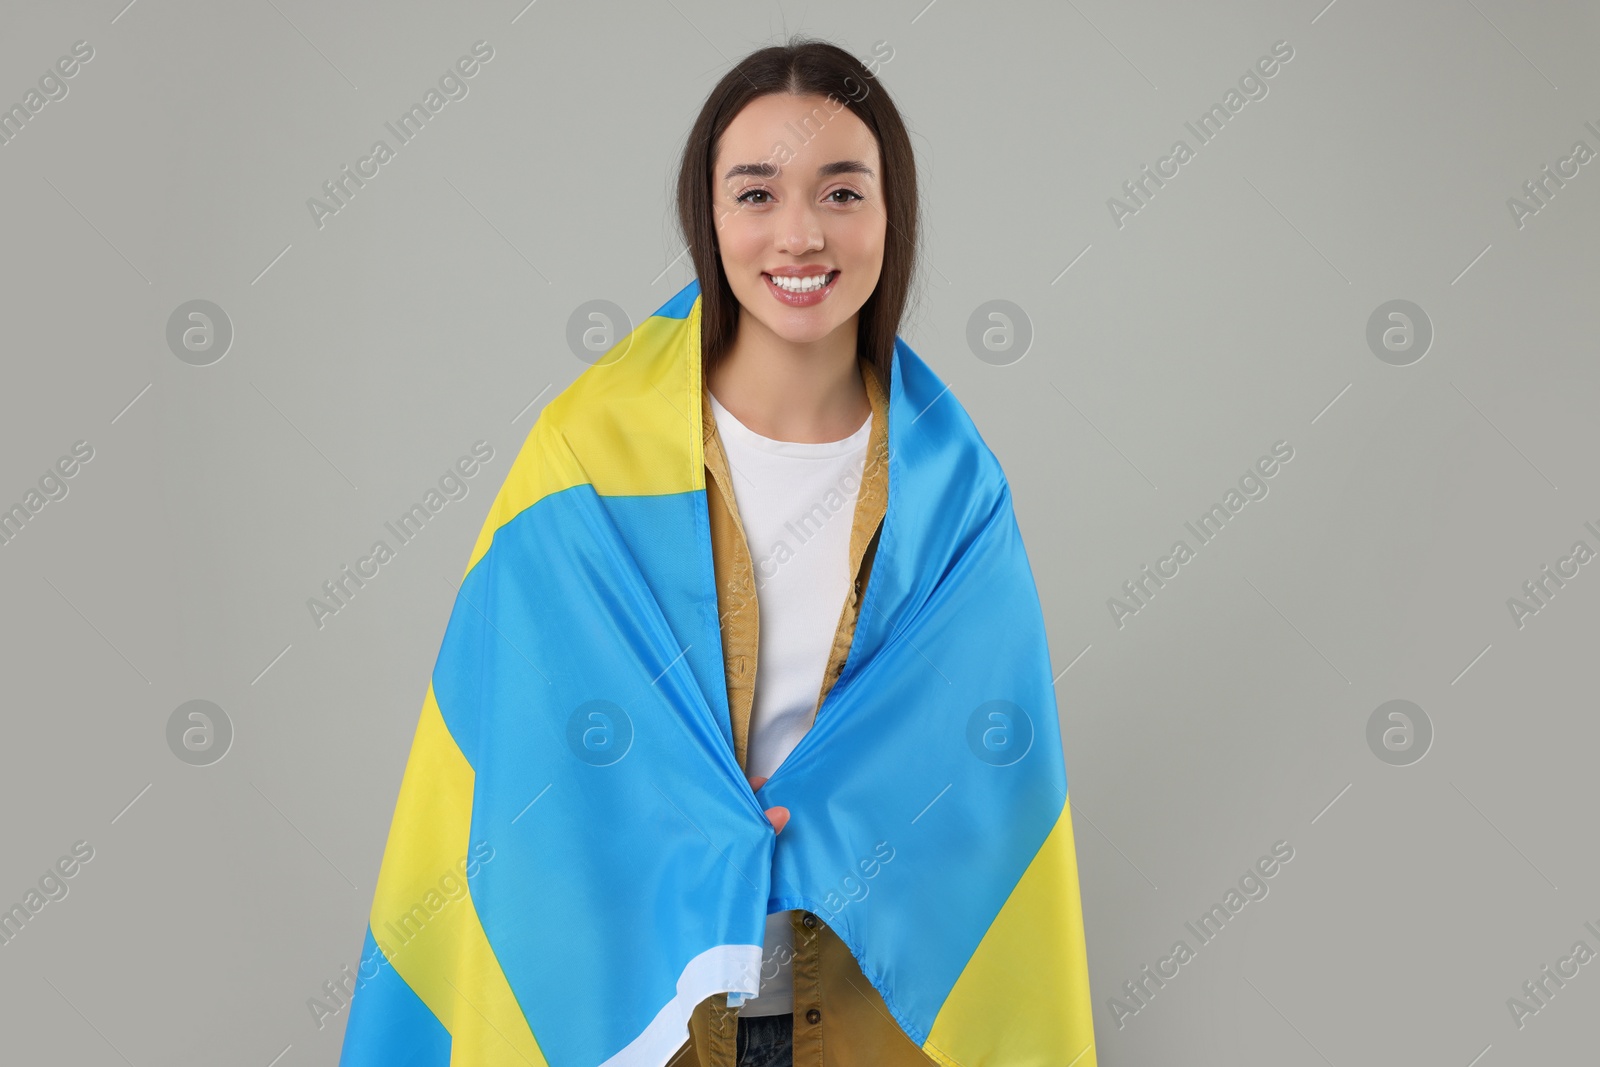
(801, 292)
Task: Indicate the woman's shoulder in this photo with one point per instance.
(929, 424)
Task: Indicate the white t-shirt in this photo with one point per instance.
(797, 503)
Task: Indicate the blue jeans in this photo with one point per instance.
(765, 1041)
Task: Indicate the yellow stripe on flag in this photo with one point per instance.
(1023, 998)
(445, 956)
(636, 421)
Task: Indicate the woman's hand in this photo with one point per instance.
(779, 817)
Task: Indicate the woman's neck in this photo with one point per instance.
(793, 392)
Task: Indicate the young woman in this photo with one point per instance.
(611, 819)
(797, 195)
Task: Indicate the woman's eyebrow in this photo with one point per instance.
(770, 170)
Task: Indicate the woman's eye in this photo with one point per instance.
(747, 196)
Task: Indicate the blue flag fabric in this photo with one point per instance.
(576, 859)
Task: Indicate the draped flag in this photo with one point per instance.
(576, 859)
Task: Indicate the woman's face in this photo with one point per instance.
(797, 194)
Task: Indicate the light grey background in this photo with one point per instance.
(431, 312)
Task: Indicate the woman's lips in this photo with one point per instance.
(800, 300)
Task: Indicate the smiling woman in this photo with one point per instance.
(774, 220)
(804, 164)
(815, 820)
(797, 194)
(799, 166)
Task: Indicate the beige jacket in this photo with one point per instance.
(839, 1019)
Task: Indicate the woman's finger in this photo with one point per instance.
(777, 816)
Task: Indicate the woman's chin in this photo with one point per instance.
(800, 326)
(806, 333)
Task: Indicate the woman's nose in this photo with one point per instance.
(800, 229)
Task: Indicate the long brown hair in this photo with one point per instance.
(804, 66)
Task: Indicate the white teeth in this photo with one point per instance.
(802, 285)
